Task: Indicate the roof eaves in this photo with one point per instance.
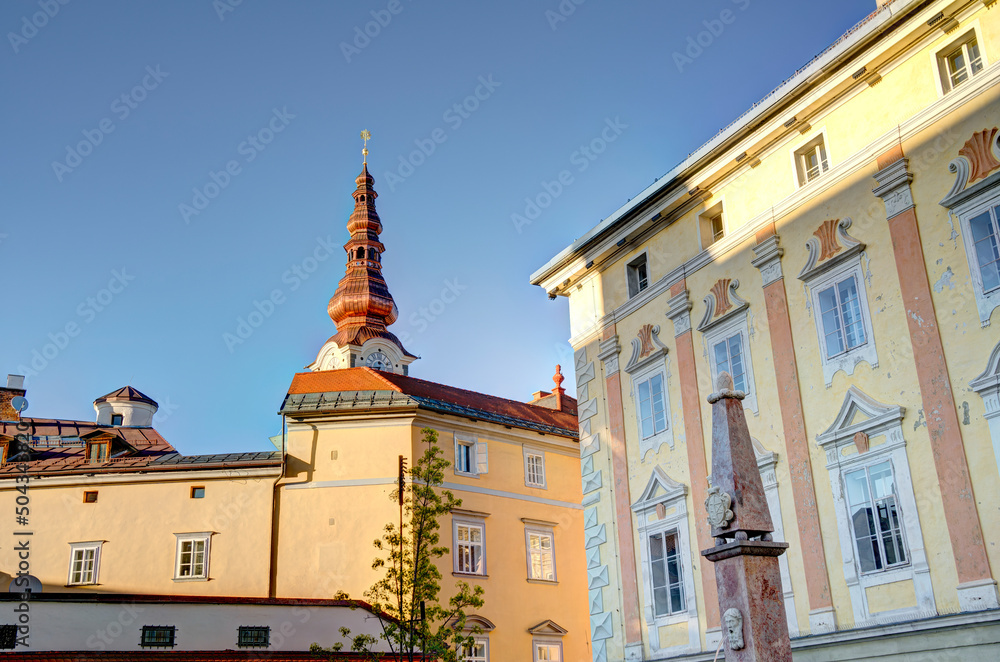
(871, 24)
(513, 421)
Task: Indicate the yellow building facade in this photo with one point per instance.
(835, 249)
(115, 510)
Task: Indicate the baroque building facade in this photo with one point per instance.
(246, 555)
(835, 249)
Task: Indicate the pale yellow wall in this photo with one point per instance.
(138, 520)
(850, 125)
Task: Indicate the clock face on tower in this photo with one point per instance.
(379, 361)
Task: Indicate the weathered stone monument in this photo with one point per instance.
(755, 628)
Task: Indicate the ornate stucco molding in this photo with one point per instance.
(894, 188)
(646, 349)
(829, 246)
(679, 312)
(723, 303)
(768, 259)
(608, 354)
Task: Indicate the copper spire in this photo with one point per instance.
(362, 307)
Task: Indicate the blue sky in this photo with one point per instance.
(172, 169)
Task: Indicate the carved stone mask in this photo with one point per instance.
(734, 628)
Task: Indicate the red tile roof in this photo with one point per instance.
(58, 449)
(367, 379)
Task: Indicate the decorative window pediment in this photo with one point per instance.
(722, 303)
(979, 156)
(860, 413)
(646, 348)
(829, 246)
(877, 518)
(548, 628)
(726, 332)
(835, 278)
(987, 385)
(975, 200)
(661, 488)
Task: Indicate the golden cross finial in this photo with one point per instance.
(366, 135)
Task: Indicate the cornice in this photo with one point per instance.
(859, 161)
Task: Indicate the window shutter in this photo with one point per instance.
(482, 461)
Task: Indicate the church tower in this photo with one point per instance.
(362, 307)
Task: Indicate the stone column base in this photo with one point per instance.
(633, 652)
(712, 638)
(822, 620)
(978, 595)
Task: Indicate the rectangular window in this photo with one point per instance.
(541, 555)
(90, 496)
(97, 452)
(811, 161)
(984, 239)
(254, 637)
(158, 636)
(198, 492)
(840, 310)
(665, 570)
(548, 652)
(84, 562)
(469, 552)
(192, 556)
(534, 469)
(960, 63)
(652, 411)
(116, 419)
(638, 276)
(729, 358)
(477, 652)
(465, 456)
(875, 518)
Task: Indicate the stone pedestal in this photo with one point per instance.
(747, 574)
(749, 581)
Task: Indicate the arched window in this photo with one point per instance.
(361, 253)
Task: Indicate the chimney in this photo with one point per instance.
(14, 388)
(557, 399)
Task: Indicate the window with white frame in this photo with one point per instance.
(479, 651)
(978, 211)
(959, 62)
(192, 556)
(668, 597)
(470, 546)
(84, 563)
(666, 574)
(811, 160)
(835, 277)
(651, 406)
(728, 356)
(712, 226)
(727, 339)
(534, 468)
(540, 551)
(547, 651)
(840, 314)
(470, 456)
(637, 274)
(875, 519)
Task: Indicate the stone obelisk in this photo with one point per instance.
(754, 626)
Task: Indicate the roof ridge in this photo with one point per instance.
(378, 374)
(465, 390)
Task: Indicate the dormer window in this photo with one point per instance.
(97, 451)
(116, 419)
